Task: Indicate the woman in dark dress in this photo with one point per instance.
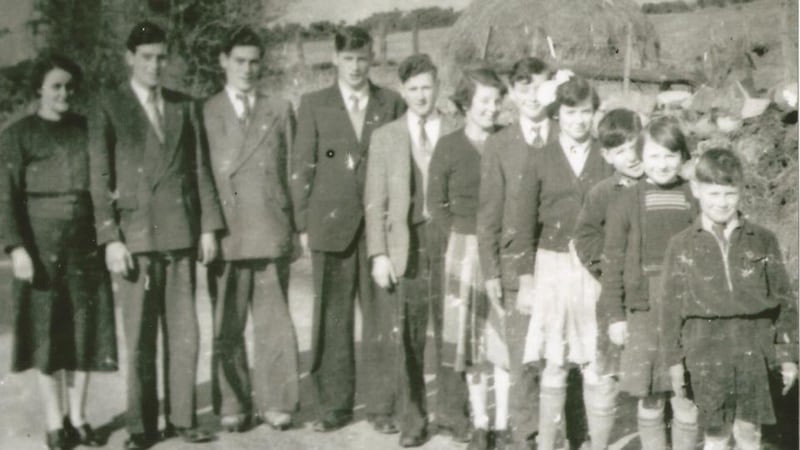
(63, 312)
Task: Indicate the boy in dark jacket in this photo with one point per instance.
(728, 310)
(617, 132)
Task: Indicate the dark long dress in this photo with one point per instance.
(64, 319)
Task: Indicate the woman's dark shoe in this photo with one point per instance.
(82, 435)
(139, 441)
(57, 440)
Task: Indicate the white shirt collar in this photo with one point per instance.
(143, 93)
(362, 95)
(528, 125)
(571, 147)
(729, 227)
(433, 125)
(233, 95)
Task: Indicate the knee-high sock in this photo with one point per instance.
(684, 424)
(502, 383)
(477, 386)
(552, 397)
(600, 398)
(652, 431)
(747, 435)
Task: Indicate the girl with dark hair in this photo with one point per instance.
(472, 325)
(62, 310)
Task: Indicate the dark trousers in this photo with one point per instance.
(161, 287)
(525, 378)
(419, 296)
(260, 285)
(338, 277)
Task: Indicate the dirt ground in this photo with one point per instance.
(21, 414)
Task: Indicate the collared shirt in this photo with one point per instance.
(733, 224)
(576, 152)
(528, 126)
(235, 96)
(362, 95)
(433, 125)
(143, 95)
(422, 158)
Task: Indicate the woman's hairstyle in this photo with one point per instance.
(46, 63)
(573, 92)
(618, 126)
(719, 166)
(667, 132)
(465, 90)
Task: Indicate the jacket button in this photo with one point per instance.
(330, 153)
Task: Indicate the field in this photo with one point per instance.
(684, 39)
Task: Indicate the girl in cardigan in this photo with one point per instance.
(557, 290)
(471, 324)
(640, 222)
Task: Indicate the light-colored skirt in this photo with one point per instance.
(473, 327)
(563, 326)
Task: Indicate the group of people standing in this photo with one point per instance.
(547, 259)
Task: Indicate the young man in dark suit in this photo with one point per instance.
(406, 249)
(250, 135)
(154, 204)
(329, 166)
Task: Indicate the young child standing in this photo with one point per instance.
(639, 224)
(557, 290)
(728, 310)
(617, 132)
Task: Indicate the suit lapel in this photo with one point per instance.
(261, 121)
(173, 127)
(228, 126)
(372, 119)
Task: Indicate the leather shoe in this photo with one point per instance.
(82, 435)
(235, 423)
(57, 440)
(277, 420)
(139, 441)
(332, 422)
(413, 440)
(384, 425)
(480, 440)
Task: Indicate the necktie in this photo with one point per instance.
(538, 141)
(155, 115)
(244, 119)
(354, 104)
(424, 142)
(719, 232)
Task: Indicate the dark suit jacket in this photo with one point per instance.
(150, 196)
(250, 169)
(502, 170)
(329, 167)
(388, 191)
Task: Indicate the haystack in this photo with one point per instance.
(591, 32)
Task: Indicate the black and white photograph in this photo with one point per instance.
(384, 224)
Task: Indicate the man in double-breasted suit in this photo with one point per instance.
(329, 166)
(154, 199)
(250, 134)
(407, 251)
